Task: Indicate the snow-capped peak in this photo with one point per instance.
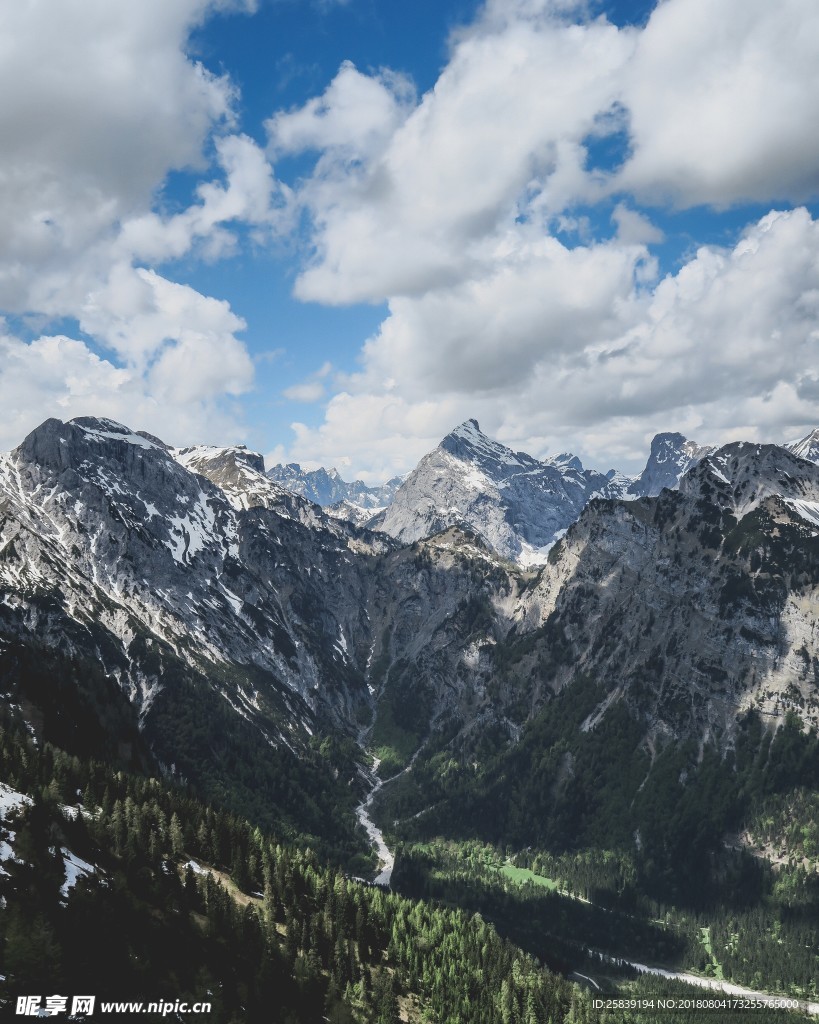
(468, 429)
(106, 430)
(516, 502)
(468, 443)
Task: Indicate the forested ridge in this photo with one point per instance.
(568, 909)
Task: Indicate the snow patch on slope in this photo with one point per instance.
(806, 510)
(75, 868)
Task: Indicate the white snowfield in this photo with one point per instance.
(807, 510)
(118, 432)
(74, 867)
(196, 867)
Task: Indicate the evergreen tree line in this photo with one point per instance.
(191, 902)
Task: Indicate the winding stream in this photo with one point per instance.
(386, 857)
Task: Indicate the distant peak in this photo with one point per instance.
(466, 429)
(672, 455)
(675, 447)
(565, 460)
(467, 436)
(669, 438)
(806, 447)
(469, 444)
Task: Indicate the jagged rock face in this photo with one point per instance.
(241, 476)
(103, 527)
(518, 504)
(347, 511)
(743, 475)
(697, 604)
(147, 562)
(806, 447)
(671, 456)
(326, 487)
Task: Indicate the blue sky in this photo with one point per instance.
(333, 230)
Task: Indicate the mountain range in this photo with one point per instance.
(518, 504)
(325, 487)
(120, 548)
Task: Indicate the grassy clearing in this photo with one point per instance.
(482, 859)
(524, 875)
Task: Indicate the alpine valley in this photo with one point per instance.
(577, 710)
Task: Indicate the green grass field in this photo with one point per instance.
(705, 938)
(523, 875)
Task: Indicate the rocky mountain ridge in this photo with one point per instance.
(182, 573)
(718, 584)
(325, 487)
(195, 586)
(519, 504)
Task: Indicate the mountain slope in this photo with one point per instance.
(125, 886)
(698, 600)
(242, 623)
(137, 544)
(654, 658)
(115, 557)
(195, 565)
(806, 447)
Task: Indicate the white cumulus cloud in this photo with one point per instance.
(722, 98)
(102, 103)
(404, 197)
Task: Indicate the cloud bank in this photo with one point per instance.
(454, 208)
(512, 219)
